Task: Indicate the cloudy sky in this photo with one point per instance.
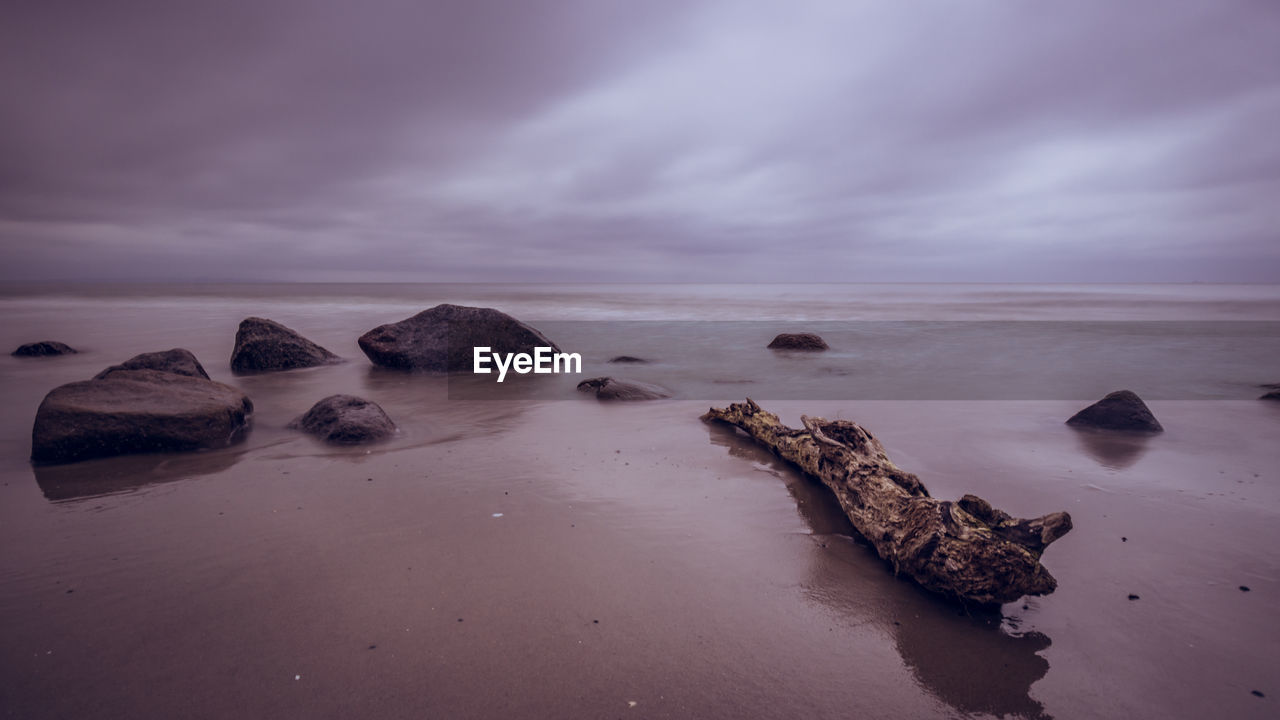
(666, 140)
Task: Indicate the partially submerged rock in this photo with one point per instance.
(1120, 410)
(176, 361)
(798, 341)
(607, 388)
(126, 411)
(1274, 391)
(345, 419)
(627, 359)
(443, 339)
(966, 549)
(264, 345)
(45, 348)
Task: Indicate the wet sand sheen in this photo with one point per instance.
(640, 556)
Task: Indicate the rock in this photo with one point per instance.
(176, 361)
(1120, 410)
(265, 345)
(127, 411)
(46, 348)
(442, 339)
(1273, 395)
(627, 359)
(345, 419)
(607, 388)
(798, 341)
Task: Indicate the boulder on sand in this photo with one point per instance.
(263, 345)
(443, 339)
(46, 348)
(607, 388)
(345, 419)
(798, 341)
(1120, 410)
(127, 411)
(176, 361)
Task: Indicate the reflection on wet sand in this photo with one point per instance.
(1115, 450)
(126, 473)
(964, 657)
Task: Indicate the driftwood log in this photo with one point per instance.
(966, 550)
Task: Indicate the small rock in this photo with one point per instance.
(1132, 596)
(798, 341)
(1257, 693)
(1244, 588)
(1120, 410)
(607, 388)
(1273, 395)
(45, 348)
(264, 345)
(347, 420)
(627, 359)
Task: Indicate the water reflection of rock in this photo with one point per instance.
(126, 473)
(963, 657)
(1116, 450)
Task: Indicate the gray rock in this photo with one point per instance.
(1120, 410)
(798, 341)
(443, 339)
(176, 361)
(607, 388)
(137, 411)
(345, 419)
(46, 348)
(264, 345)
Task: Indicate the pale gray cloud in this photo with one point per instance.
(591, 140)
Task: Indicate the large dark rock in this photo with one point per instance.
(1120, 410)
(443, 339)
(345, 419)
(798, 341)
(46, 348)
(137, 411)
(176, 361)
(263, 345)
(607, 388)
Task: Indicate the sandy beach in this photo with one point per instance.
(569, 558)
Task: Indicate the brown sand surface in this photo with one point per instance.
(640, 557)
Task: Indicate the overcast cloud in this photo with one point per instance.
(681, 140)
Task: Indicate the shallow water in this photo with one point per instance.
(641, 555)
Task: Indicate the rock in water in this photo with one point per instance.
(607, 388)
(1120, 410)
(1273, 395)
(798, 341)
(627, 359)
(443, 339)
(46, 348)
(137, 411)
(176, 361)
(264, 345)
(345, 419)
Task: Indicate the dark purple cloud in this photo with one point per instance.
(582, 139)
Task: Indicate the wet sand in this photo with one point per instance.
(640, 556)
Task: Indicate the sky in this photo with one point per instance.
(666, 140)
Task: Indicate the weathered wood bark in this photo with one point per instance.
(966, 550)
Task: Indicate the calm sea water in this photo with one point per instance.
(607, 554)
